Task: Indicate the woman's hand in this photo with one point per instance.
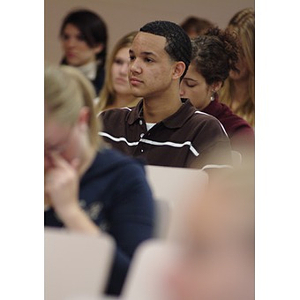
(61, 185)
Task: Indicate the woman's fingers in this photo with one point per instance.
(75, 164)
(58, 160)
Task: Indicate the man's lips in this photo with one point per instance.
(135, 81)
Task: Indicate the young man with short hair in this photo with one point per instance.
(164, 129)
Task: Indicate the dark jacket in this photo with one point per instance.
(99, 79)
(115, 194)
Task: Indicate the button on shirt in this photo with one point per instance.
(188, 138)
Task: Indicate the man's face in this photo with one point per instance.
(150, 67)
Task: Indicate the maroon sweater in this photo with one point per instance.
(239, 131)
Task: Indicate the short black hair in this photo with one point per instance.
(92, 27)
(178, 44)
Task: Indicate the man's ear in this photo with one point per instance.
(179, 69)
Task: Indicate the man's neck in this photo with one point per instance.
(156, 109)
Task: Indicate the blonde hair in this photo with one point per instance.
(243, 24)
(66, 92)
(108, 94)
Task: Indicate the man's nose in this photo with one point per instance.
(135, 67)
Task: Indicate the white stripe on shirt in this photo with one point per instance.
(154, 143)
(120, 139)
(172, 144)
(200, 112)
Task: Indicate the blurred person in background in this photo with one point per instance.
(89, 188)
(116, 92)
(239, 89)
(83, 36)
(216, 232)
(163, 129)
(195, 26)
(214, 56)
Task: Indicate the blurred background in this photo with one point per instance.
(123, 16)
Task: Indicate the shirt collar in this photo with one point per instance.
(174, 121)
(136, 113)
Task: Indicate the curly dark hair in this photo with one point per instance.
(92, 27)
(178, 44)
(215, 53)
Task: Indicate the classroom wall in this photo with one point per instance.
(123, 16)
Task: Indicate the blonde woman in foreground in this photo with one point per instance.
(116, 92)
(89, 188)
(238, 91)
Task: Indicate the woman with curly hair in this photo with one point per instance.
(214, 55)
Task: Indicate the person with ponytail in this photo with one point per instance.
(214, 55)
(89, 188)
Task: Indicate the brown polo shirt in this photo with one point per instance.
(188, 138)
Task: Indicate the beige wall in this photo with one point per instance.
(123, 16)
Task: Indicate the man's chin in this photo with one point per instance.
(136, 93)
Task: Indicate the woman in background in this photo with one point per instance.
(83, 37)
(195, 26)
(116, 91)
(214, 55)
(238, 92)
(89, 188)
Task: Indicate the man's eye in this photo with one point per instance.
(132, 57)
(148, 60)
